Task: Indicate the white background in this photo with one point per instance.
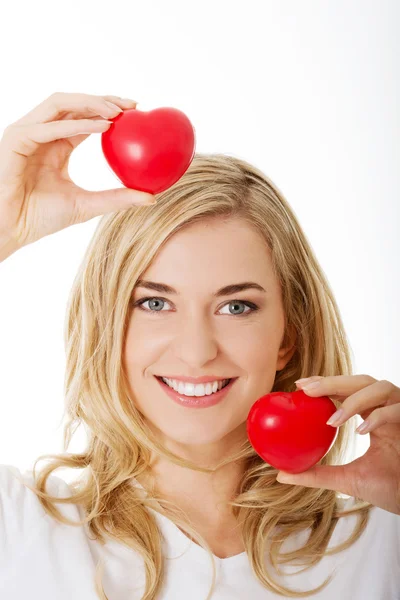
(307, 91)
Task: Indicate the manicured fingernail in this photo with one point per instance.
(128, 101)
(335, 418)
(364, 427)
(114, 107)
(313, 377)
(312, 385)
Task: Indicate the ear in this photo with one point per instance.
(286, 352)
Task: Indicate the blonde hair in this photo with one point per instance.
(119, 440)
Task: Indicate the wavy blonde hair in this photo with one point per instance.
(119, 442)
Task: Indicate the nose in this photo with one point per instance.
(196, 343)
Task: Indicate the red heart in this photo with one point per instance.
(289, 431)
(149, 151)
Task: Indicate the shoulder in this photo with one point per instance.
(30, 537)
(21, 511)
(12, 481)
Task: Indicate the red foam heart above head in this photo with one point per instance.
(149, 151)
(289, 431)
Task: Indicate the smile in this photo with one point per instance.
(198, 401)
(196, 390)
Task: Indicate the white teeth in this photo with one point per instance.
(191, 389)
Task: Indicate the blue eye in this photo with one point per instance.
(253, 307)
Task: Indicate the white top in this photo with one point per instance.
(41, 558)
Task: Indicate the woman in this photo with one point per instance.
(166, 486)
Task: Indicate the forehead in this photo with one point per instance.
(225, 251)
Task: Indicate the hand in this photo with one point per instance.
(37, 196)
(375, 476)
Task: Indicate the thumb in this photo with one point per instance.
(327, 477)
(93, 204)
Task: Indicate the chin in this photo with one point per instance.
(193, 435)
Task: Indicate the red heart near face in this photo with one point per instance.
(289, 431)
(149, 151)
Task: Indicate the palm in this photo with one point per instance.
(52, 203)
(374, 475)
(51, 197)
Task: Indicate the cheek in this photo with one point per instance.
(257, 351)
(142, 342)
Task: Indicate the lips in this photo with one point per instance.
(196, 401)
(160, 378)
(196, 380)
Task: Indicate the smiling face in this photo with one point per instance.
(195, 333)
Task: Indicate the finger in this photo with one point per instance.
(93, 204)
(381, 393)
(327, 477)
(19, 142)
(123, 103)
(62, 102)
(75, 140)
(379, 417)
(338, 385)
(365, 400)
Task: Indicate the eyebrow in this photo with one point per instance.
(233, 288)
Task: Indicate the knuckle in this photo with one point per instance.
(53, 99)
(369, 378)
(12, 126)
(85, 102)
(53, 102)
(331, 384)
(387, 384)
(57, 99)
(387, 387)
(9, 131)
(376, 416)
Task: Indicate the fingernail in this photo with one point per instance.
(113, 106)
(335, 418)
(312, 385)
(308, 378)
(284, 478)
(128, 101)
(363, 428)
